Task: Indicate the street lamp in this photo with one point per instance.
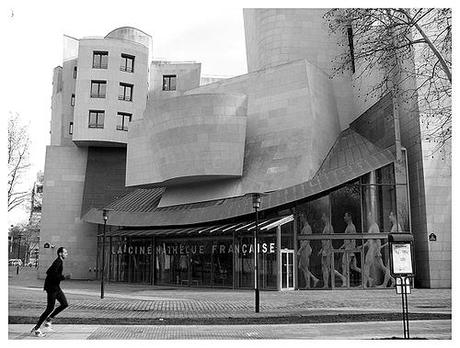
(19, 249)
(105, 217)
(256, 199)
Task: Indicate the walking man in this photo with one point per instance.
(53, 278)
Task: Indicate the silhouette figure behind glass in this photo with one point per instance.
(304, 254)
(373, 257)
(349, 245)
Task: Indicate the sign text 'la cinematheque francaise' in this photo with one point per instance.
(185, 249)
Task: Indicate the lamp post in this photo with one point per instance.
(105, 217)
(19, 253)
(256, 205)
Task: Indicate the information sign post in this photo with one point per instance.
(401, 255)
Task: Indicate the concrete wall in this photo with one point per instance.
(187, 77)
(188, 139)
(438, 195)
(110, 104)
(56, 108)
(64, 180)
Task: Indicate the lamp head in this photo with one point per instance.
(105, 214)
(256, 200)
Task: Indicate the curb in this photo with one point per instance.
(293, 319)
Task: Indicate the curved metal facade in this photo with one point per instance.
(188, 139)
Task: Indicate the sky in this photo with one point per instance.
(213, 36)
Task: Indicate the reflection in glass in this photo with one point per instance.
(349, 260)
(373, 259)
(346, 199)
(326, 250)
(304, 253)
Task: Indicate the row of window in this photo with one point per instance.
(169, 81)
(101, 61)
(96, 120)
(98, 90)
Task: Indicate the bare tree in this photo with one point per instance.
(25, 238)
(18, 159)
(386, 39)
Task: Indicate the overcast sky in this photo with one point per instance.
(213, 36)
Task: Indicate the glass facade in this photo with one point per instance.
(366, 210)
(222, 261)
(335, 240)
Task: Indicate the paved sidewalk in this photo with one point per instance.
(146, 304)
(436, 329)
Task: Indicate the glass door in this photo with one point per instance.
(287, 269)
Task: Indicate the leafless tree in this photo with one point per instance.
(18, 159)
(386, 39)
(26, 238)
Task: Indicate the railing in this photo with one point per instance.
(95, 125)
(100, 66)
(94, 95)
(126, 68)
(125, 98)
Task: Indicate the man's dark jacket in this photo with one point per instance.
(54, 276)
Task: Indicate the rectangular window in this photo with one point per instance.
(125, 92)
(123, 120)
(74, 72)
(96, 119)
(100, 59)
(127, 63)
(352, 50)
(98, 89)
(71, 128)
(72, 100)
(169, 82)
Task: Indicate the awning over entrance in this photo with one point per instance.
(214, 230)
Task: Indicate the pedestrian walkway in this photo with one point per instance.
(436, 329)
(146, 304)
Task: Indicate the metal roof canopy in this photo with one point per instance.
(264, 225)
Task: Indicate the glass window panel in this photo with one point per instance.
(385, 175)
(246, 262)
(378, 203)
(92, 118)
(284, 270)
(104, 60)
(102, 87)
(222, 260)
(346, 200)
(287, 235)
(291, 270)
(268, 269)
(130, 64)
(100, 119)
(94, 89)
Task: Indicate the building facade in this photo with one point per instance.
(175, 162)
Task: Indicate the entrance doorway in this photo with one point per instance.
(287, 269)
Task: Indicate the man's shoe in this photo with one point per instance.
(37, 332)
(48, 325)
